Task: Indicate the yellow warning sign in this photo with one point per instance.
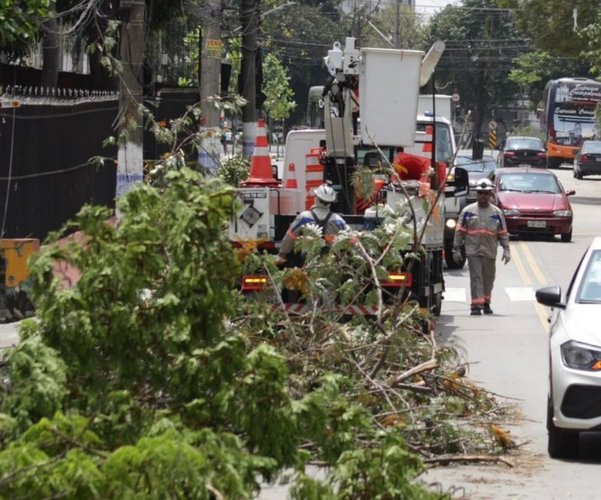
(213, 48)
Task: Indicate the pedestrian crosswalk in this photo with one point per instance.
(515, 294)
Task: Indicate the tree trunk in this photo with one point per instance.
(51, 51)
(250, 25)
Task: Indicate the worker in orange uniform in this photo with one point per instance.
(481, 227)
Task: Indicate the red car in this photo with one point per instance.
(534, 202)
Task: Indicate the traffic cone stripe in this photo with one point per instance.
(261, 173)
(291, 177)
(313, 175)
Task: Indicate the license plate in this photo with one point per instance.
(537, 223)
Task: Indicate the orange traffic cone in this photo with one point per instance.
(260, 165)
(291, 177)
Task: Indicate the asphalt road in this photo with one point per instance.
(508, 356)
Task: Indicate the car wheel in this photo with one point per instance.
(579, 175)
(448, 257)
(567, 237)
(561, 444)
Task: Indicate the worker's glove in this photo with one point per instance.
(506, 256)
(457, 257)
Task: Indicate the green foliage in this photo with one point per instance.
(19, 22)
(278, 103)
(477, 59)
(320, 23)
(550, 24)
(592, 36)
(386, 470)
(234, 170)
(38, 377)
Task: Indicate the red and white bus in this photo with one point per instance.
(568, 116)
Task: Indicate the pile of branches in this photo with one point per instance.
(391, 361)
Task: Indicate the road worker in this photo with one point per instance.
(321, 215)
(480, 228)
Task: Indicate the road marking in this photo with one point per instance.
(455, 295)
(515, 294)
(520, 266)
(520, 294)
(533, 265)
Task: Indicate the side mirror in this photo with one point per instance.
(550, 296)
(458, 184)
(570, 192)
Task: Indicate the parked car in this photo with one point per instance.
(588, 160)
(534, 202)
(522, 150)
(476, 169)
(574, 397)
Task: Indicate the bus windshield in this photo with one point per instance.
(570, 110)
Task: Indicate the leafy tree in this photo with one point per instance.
(534, 69)
(551, 26)
(19, 23)
(481, 44)
(403, 23)
(300, 36)
(559, 41)
(278, 103)
(149, 377)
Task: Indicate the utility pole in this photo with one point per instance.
(249, 19)
(212, 48)
(397, 34)
(130, 156)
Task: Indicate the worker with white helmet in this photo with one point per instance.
(320, 214)
(480, 228)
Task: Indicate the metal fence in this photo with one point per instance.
(47, 138)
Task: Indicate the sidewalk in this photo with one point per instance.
(9, 335)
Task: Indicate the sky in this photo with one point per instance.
(430, 7)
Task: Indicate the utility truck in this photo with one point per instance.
(430, 107)
(370, 106)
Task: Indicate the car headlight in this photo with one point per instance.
(581, 356)
(562, 213)
(451, 223)
(511, 211)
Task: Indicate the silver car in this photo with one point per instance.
(574, 399)
(476, 170)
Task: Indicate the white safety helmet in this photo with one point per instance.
(325, 193)
(484, 185)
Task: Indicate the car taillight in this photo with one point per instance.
(398, 280)
(253, 283)
(508, 154)
(542, 156)
(584, 158)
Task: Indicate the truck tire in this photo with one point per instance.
(448, 257)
